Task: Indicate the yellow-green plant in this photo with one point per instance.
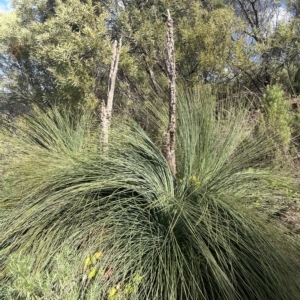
(277, 115)
(61, 282)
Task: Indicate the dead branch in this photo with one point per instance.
(106, 107)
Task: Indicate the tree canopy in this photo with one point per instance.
(60, 51)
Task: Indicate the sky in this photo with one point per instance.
(281, 15)
(4, 5)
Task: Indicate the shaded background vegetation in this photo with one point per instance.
(55, 51)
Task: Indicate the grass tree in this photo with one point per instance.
(137, 231)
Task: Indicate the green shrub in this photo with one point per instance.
(277, 115)
(61, 282)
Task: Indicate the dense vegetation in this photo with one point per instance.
(87, 217)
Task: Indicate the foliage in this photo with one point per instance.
(268, 54)
(190, 237)
(203, 44)
(65, 280)
(75, 47)
(65, 58)
(59, 52)
(277, 114)
(23, 78)
(200, 54)
(59, 283)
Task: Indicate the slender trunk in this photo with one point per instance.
(168, 144)
(106, 107)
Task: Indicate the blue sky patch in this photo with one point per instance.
(5, 5)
